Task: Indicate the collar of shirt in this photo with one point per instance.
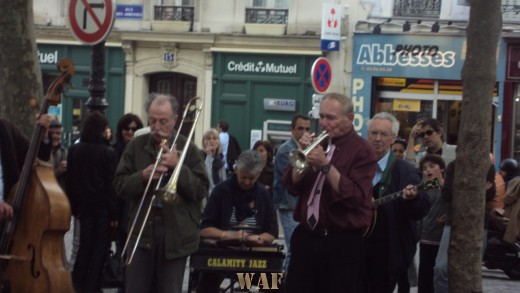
(381, 166)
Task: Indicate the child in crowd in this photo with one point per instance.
(432, 167)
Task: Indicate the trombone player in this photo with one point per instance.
(334, 203)
(171, 232)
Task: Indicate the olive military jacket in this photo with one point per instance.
(181, 219)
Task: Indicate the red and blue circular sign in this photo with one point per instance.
(321, 75)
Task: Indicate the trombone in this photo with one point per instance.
(298, 158)
(167, 194)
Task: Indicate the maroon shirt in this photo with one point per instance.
(351, 207)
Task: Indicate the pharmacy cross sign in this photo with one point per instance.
(91, 20)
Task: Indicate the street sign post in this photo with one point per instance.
(91, 20)
(321, 75)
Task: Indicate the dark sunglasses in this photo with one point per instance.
(427, 132)
(133, 129)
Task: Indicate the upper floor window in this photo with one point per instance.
(268, 11)
(175, 10)
(175, 2)
(417, 8)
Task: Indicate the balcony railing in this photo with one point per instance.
(417, 8)
(174, 13)
(266, 15)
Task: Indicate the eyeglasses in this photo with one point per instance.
(382, 133)
(427, 132)
(133, 129)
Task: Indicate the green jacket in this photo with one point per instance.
(182, 219)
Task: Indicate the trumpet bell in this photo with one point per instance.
(298, 159)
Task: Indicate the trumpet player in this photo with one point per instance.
(334, 204)
(171, 232)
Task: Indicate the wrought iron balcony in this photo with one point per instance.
(417, 8)
(267, 15)
(174, 13)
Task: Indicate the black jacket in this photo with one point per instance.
(90, 173)
(13, 150)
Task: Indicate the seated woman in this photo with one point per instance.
(234, 204)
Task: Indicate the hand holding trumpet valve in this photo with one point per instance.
(316, 157)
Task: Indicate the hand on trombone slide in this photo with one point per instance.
(167, 163)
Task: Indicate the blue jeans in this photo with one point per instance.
(288, 225)
(440, 273)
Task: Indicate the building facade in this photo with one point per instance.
(250, 60)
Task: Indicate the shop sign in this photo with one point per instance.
(280, 105)
(390, 81)
(404, 55)
(407, 105)
(434, 57)
(262, 67)
(48, 57)
(330, 27)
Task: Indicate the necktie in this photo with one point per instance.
(313, 204)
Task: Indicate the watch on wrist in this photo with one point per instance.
(325, 169)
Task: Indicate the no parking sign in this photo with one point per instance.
(91, 20)
(321, 75)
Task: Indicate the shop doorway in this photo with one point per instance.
(181, 86)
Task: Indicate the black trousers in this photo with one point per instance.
(324, 262)
(427, 255)
(93, 247)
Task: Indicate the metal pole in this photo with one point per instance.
(96, 88)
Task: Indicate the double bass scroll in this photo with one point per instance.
(31, 243)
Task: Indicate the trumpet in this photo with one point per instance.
(298, 158)
(167, 194)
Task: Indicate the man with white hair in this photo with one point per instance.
(391, 241)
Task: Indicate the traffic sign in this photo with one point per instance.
(91, 20)
(321, 74)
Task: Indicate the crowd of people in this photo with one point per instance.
(344, 228)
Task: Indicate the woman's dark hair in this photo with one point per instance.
(93, 129)
(124, 121)
(434, 159)
(268, 146)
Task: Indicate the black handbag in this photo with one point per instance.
(112, 276)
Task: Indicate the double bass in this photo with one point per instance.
(31, 244)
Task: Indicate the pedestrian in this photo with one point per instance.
(230, 146)
(237, 202)
(172, 232)
(13, 149)
(334, 204)
(91, 165)
(432, 224)
(285, 202)
(214, 159)
(432, 134)
(390, 245)
(265, 148)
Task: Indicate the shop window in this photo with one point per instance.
(411, 100)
